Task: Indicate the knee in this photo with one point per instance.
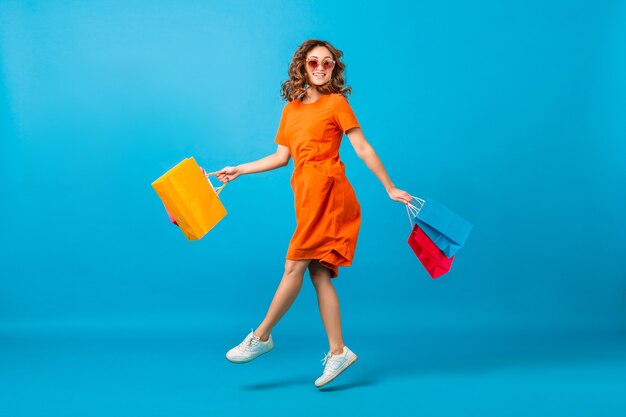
(293, 270)
(320, 279)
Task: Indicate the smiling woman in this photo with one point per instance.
(319, 70)
(328, 214)
(327, 78)
(319, 73)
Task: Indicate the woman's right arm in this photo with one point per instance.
(270, 162)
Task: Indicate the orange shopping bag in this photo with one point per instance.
(190, 199)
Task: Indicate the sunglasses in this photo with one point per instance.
(327, 64)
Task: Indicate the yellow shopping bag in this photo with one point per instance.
(190, 199)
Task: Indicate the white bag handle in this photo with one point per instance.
(409, 211)
(414, 210)
(421, 201)
(218, 190)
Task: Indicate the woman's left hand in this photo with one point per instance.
(397, 194)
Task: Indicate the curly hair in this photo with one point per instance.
(294, 87)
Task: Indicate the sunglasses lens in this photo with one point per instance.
(312, 64)
(328, 65)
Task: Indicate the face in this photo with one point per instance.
(321, 74)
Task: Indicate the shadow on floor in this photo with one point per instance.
(485, 352)
(279, 383)
(343, 387)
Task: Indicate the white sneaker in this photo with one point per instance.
(335, 364)
(251, 347)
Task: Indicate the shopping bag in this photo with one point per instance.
(432, 258)
(190, 199)
(172, 219)
(446, 229)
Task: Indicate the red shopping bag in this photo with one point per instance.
(433, 259)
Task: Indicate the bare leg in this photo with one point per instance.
(328, 303)
(284, 297)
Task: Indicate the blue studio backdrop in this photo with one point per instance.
(509, 113)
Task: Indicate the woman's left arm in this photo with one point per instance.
(366, 152)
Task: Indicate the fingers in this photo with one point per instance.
(405, 197)
(400, 199)
(223, 177)
(400, 196)
(222, 174)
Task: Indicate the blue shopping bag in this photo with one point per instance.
(446, 229)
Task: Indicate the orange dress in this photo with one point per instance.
(328, 214)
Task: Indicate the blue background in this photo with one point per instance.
(510, 113)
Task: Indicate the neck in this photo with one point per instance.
(312, 94)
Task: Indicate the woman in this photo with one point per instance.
(328, 213)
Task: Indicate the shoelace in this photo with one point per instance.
(248, 342)
(331, 360)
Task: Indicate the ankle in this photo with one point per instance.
(263, 336)
(337, 351)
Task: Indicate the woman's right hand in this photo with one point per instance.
(227, 174)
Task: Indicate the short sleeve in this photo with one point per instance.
(344, 116)
(281, 139)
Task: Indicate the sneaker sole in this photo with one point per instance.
(339, 373)
(248, 360)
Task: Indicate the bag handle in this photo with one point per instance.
(219, 189)
(414, 210)
(420, 201)
(409, 211)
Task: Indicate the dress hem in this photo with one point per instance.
(331, 259)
